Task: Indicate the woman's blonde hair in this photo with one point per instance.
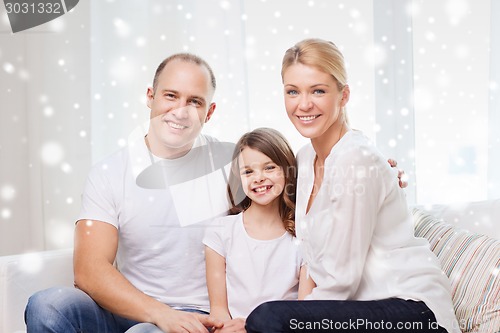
(321, 54)
(273, 144)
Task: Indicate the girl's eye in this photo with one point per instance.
(270, 167)
(292, 92)
(319, 92)
(246, 172)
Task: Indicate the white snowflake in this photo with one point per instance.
(52, 153)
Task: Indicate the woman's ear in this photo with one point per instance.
(346, 92)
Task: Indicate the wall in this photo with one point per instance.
(44, 130)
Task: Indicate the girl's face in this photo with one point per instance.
(313, 101)
(262, 180)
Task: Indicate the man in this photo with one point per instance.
(159, 256)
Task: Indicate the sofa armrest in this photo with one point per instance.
(24, 274)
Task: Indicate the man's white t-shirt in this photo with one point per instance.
(257, 271)
(160, 248)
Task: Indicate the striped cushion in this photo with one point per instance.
(472, 262)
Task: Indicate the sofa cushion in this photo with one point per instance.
(472, 263)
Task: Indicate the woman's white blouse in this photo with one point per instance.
(357, 238)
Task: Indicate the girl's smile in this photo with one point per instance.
(262, 179)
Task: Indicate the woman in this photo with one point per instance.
(356, 231)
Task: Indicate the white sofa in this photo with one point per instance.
(22, 275)
(471, 261)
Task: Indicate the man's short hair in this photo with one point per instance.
(187, 57)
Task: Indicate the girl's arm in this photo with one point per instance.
(216, 284)
(306, 283)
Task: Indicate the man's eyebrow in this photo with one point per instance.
(164, 90)
(177, 92)
(198, 97)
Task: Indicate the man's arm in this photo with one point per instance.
(402, 177)
(96, 244)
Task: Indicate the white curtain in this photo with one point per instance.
(44, 130)
(423, 75)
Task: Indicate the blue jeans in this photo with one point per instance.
(70, 310)
(388, 315)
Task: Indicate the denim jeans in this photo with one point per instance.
(70, 310)
(388, 315)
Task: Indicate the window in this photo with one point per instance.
(436, 108)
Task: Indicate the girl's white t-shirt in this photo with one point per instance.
(257, 271)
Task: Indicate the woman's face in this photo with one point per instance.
(313, 101)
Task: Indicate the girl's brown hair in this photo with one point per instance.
(274, 145)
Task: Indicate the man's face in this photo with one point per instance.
(180, 106)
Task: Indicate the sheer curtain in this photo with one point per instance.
(437, 97)
(423, 75)
(44, 130)
(452, 99)
(129, 40)
(243, 41)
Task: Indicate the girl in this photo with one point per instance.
(252, 255)
(353, 222)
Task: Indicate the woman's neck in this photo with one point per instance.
(323, 144)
